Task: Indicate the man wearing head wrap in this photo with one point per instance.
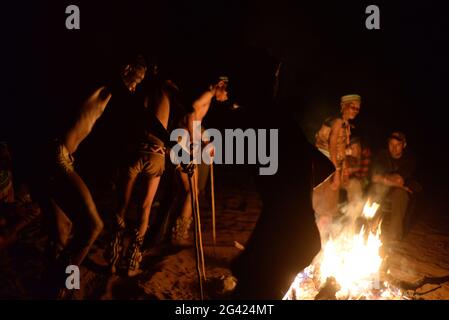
(326, 197)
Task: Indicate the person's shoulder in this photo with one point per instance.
(336, 123)
(409, 156)
(329, 121)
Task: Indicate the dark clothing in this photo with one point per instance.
(396, 199)
(107, 146)
(148, 159)
(286, 238)
(404, 166)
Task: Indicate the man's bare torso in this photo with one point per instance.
(162, 110)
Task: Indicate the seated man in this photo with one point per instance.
(392, 175)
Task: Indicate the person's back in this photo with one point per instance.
(322, 136)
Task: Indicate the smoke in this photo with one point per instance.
(335, 219)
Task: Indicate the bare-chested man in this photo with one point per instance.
(200, 107)
(340, 134)
(326, 196)
(147, 160)
(70, 197)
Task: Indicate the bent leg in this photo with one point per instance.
(145, 208)
(399, 203)
(184, 220)
(125, 198)
(75, 199)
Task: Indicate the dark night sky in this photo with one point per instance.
(400, 70)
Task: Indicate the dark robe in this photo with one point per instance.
(286, 238)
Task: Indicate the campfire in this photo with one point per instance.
(350, 265)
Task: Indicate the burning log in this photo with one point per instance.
(404, 285)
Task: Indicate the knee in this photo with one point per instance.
(96, 227)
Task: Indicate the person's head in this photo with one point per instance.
(220, 89)
(350, 106)
(134, 72)
(396, 144)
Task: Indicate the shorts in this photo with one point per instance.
(149, 162)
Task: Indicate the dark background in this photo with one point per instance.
(400, 70)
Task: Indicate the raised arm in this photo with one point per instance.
(91, 109)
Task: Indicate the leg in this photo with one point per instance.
(73, 196)
(134, 255)
(203, 177)
(325, 204)
(186, 210)
(125, 198)
(181, 230)
(60, 232)
(114, 250)
(399, 203)
(145, 208)
(153, 168)
(57, 224)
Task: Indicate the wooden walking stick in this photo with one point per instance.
(198, 219)
(212, 194)
(190, 171)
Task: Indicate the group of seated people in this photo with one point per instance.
(386, 178)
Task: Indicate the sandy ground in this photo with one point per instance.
(170, 272)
